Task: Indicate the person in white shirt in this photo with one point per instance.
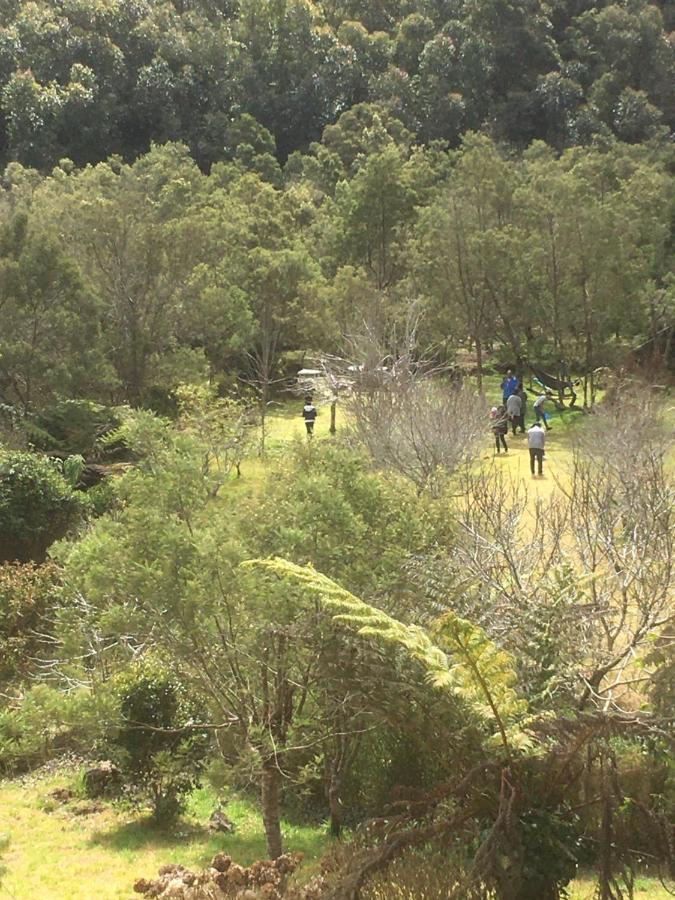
(536, 441)
(539, 409)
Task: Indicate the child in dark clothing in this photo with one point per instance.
(309, 415)
(500, 425)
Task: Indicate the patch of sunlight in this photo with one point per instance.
(56, 854)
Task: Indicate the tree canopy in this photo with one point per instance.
(90, 79)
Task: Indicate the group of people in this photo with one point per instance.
(512, 413)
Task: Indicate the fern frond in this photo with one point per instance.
(456, 656)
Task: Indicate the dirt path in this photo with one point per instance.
(516, 463)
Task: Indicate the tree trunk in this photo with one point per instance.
(269, 798)
(605, 879)
(332, 416)
(589, 350)
(335, 807)
(263, 425)
(667, 350)
(555, 291)
(479, 363)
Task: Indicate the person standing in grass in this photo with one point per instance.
(522, 393)
(309, 415)
(499, 427)
(539, 410)
(509, 385)
(536, 442)
(514, 407)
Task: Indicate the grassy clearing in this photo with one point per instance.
(285, 426)
(54, 854)
(57, 855)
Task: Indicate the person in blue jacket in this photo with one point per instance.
(509, 385)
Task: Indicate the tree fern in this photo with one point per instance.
(456, 655)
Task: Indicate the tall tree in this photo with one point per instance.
(51, 345)
(126, 227)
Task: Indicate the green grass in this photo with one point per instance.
(285, 423)
(285, 426)
(646, 888)
(55, 855)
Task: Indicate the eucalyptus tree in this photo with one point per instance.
(51, 344)
(610, 227)
(126, 228)
(457, 254)
(261, 276)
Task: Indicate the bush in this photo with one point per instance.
(553, 848)
(49, 722)
(160, 752)
(26, 594)
(76, 426)
(102, 497)
(37, 506)
(391, 760)
(419, 874)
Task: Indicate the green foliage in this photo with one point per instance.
(27, 594)
(102, 498)
(554, 847)
(543, 252)
(410, 755)
(85, 81)
(72, 468)
(159, 745)
(50, 344)
(124, 281)
(324, 506)
(37, 506)
(221, 424)
(48, 721)
(75, 427)
(342, 695)
(462, 661)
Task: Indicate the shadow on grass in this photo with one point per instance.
(144, 833)
(194, 845)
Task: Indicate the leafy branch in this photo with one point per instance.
(456, 656)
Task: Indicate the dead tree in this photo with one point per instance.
(408, 414)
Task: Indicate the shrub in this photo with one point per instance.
(102, 497)
(26, 594)
(37, 506)
(389, 760)
(49, 722)
(419, 874)
(161, 753)
(553, 848)
(75, 426)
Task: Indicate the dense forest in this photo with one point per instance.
(176, 172)
(87, 80)
(122, 280)
(441, 675)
